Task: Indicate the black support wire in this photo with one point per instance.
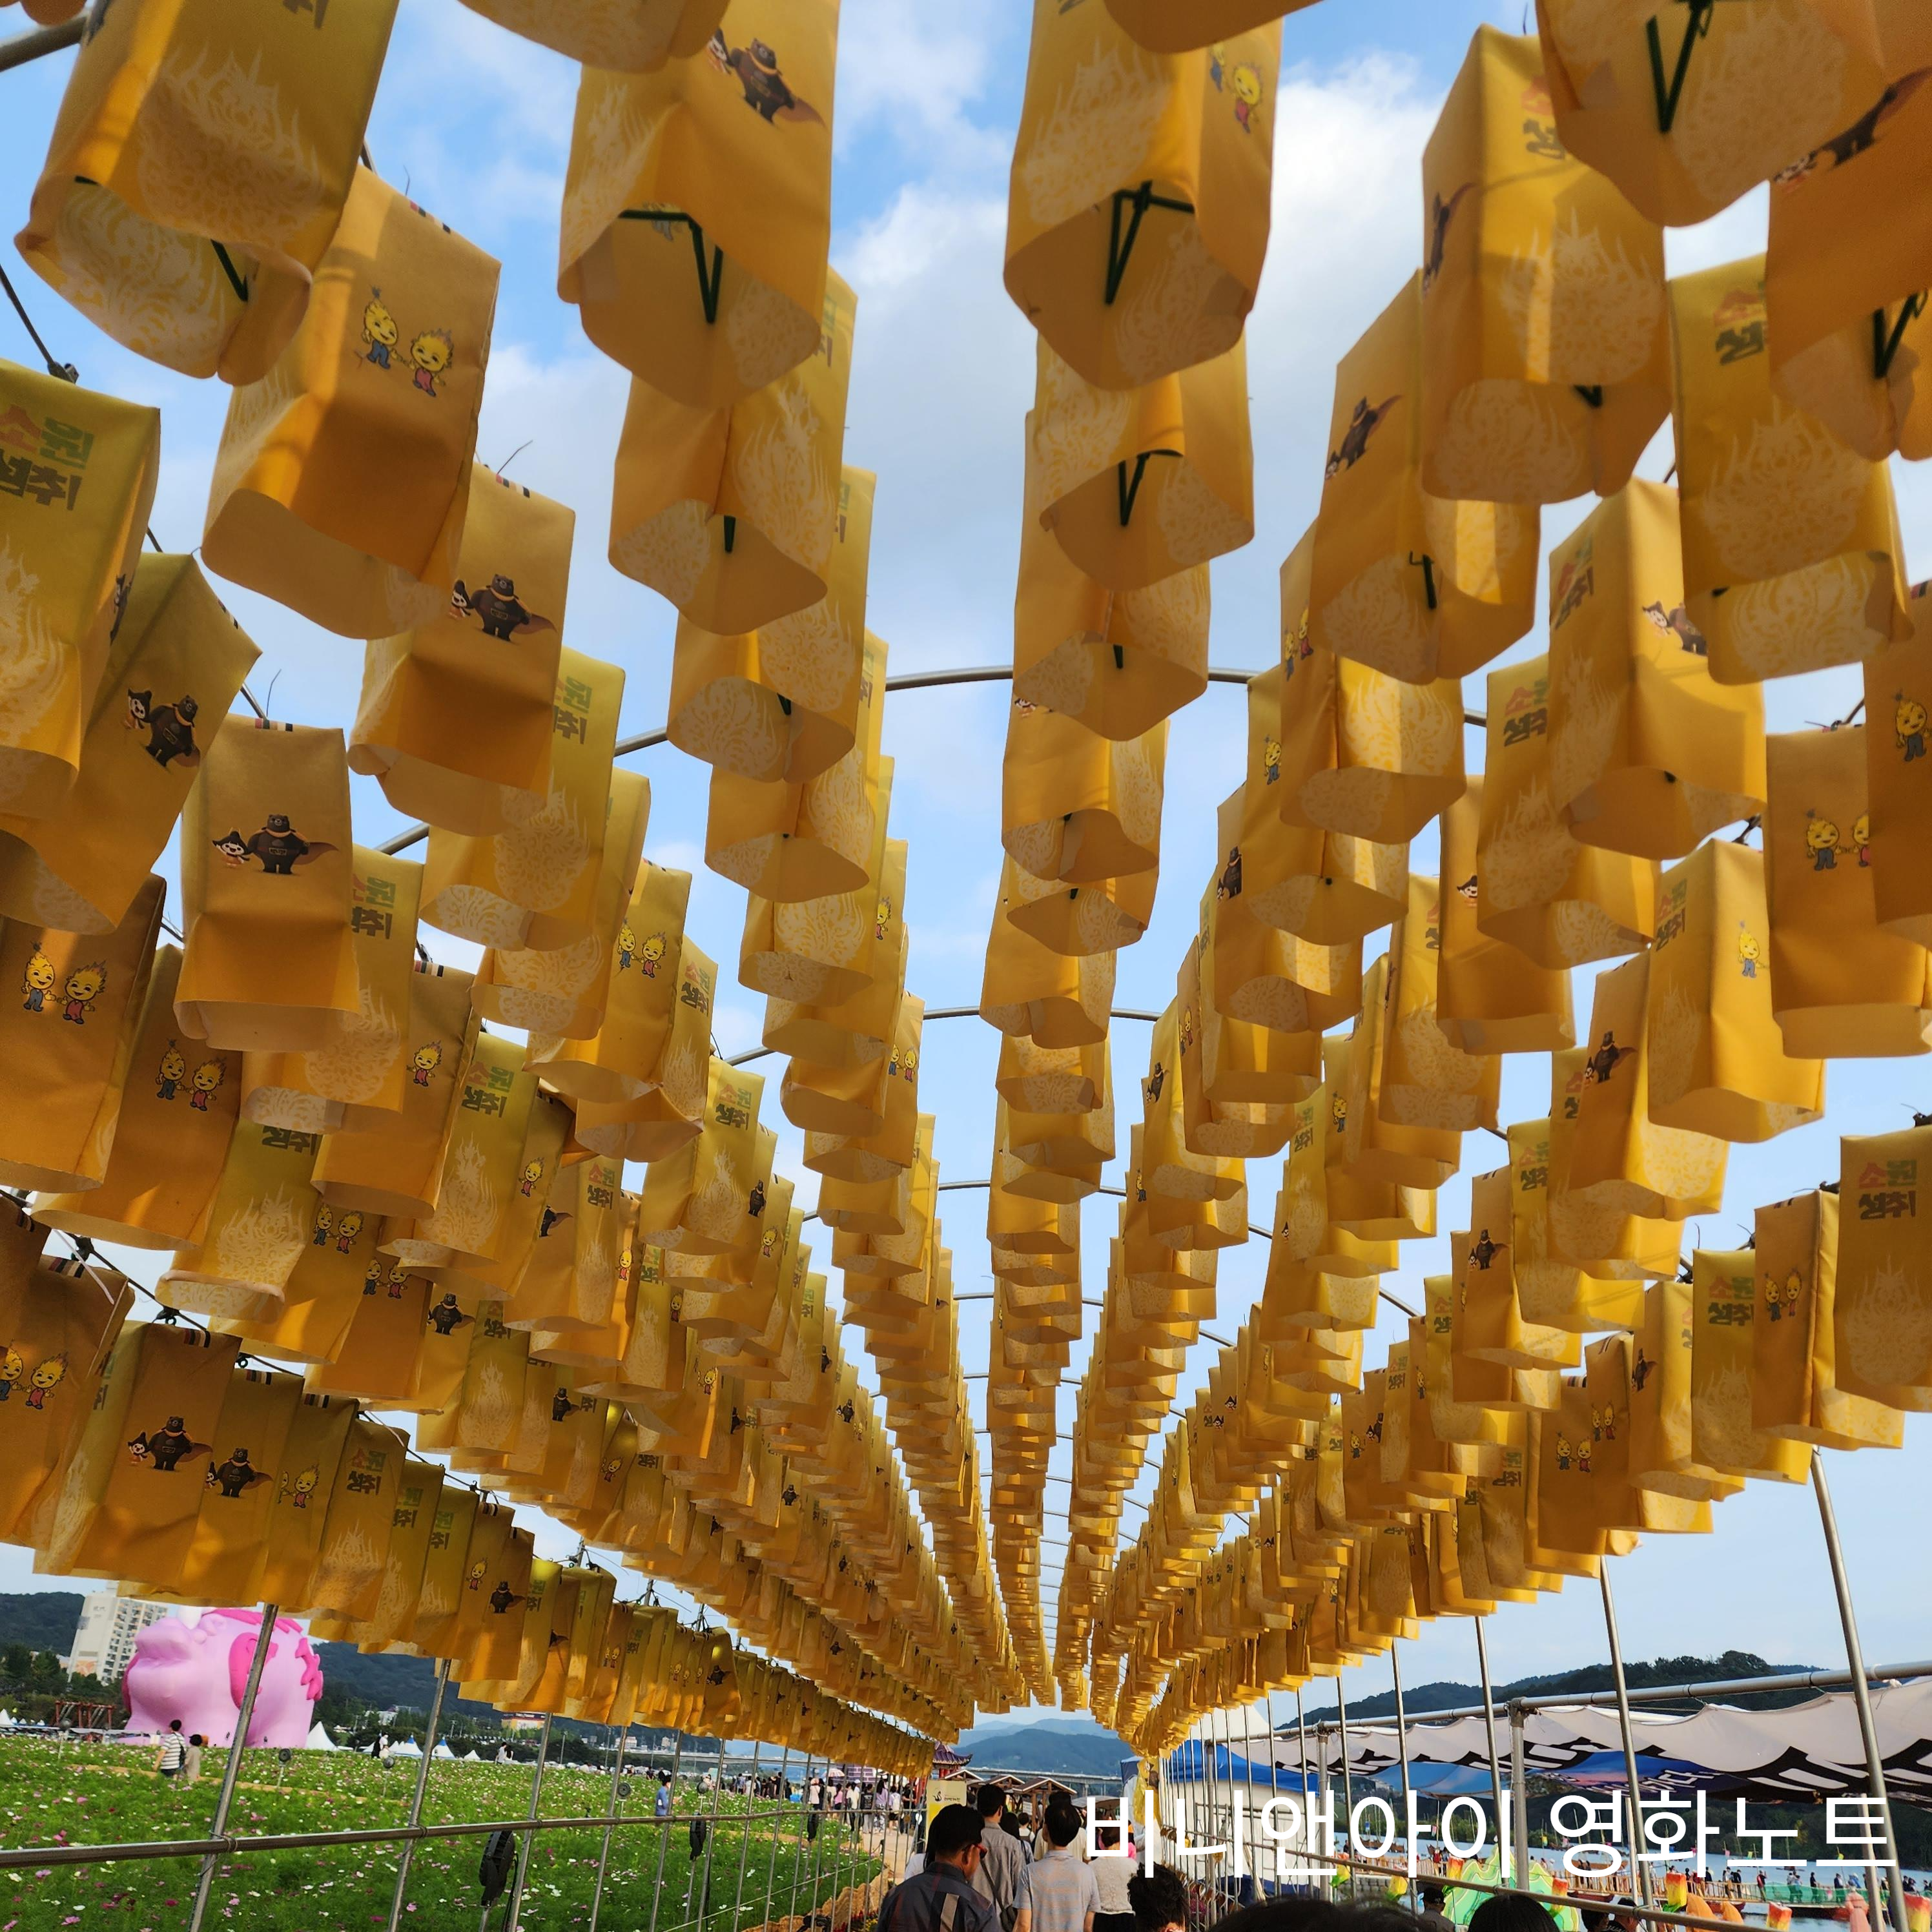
(65, 372)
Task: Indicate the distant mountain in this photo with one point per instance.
(1419, 1700)
(41, 1619)
(1064, 1746)
(1044, 1717)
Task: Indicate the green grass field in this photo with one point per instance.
(98, 1794)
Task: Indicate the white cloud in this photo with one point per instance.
(914, 72)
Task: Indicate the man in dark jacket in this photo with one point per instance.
(941, 1897)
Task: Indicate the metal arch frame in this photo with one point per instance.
(1121, 1194)
(22, 48)
(911, 680)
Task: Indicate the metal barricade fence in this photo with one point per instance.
(851, 1850)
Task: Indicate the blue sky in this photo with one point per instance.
(477, 124)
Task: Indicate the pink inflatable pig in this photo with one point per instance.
(197, 1672)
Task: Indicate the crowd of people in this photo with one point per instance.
(979, 1875)
(984, 1870)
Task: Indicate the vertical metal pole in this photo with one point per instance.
(1854, 1660)
(663, 1837)
(528, 1837)
(1495, 1761)
(818, 1842)
(1641, 1879)
(777, 1813)
(1221, 1795)
(416, 1800)
(711, 1836)
(842, 1847)
(1347, 1786)
(231, 1771)
(798, 1851)
(744, 1837)
(609, 1824)
(1248, 1753)
(1519, 1794)
(1307, 1790)
(1274, 1790)
(1212, 1805)
(1402, 1751)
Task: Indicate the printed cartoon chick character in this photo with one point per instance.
(83, 988)
(1271, 762)
(1821, 841)
(1862, 838)
(348, 1226)
(882, 917)
(526, 1181)
(477, 1571)
(379, 330)
(325, 1224)
(300, 1487)
(45, 1380)
(205, 1079)
(627, 947)
(650, 955)
(1908, 725)
(1244, 83)
(372, 1277)
(38, 981)
(1750, 950)
(425, 1061)
(11, 1369)
(432, 352)
(173, 1072)
(1564, 1452)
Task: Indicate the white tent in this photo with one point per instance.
(408, 1747)
(7, 1720)
(319, 1739)
(1807, 1750)
(441, 1750)
(470, 1757)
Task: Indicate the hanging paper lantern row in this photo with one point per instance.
(1470, 1469)
(899, 1286)
(146, 1452)
(386, 1324)
(359, 1172)
(534, 847)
